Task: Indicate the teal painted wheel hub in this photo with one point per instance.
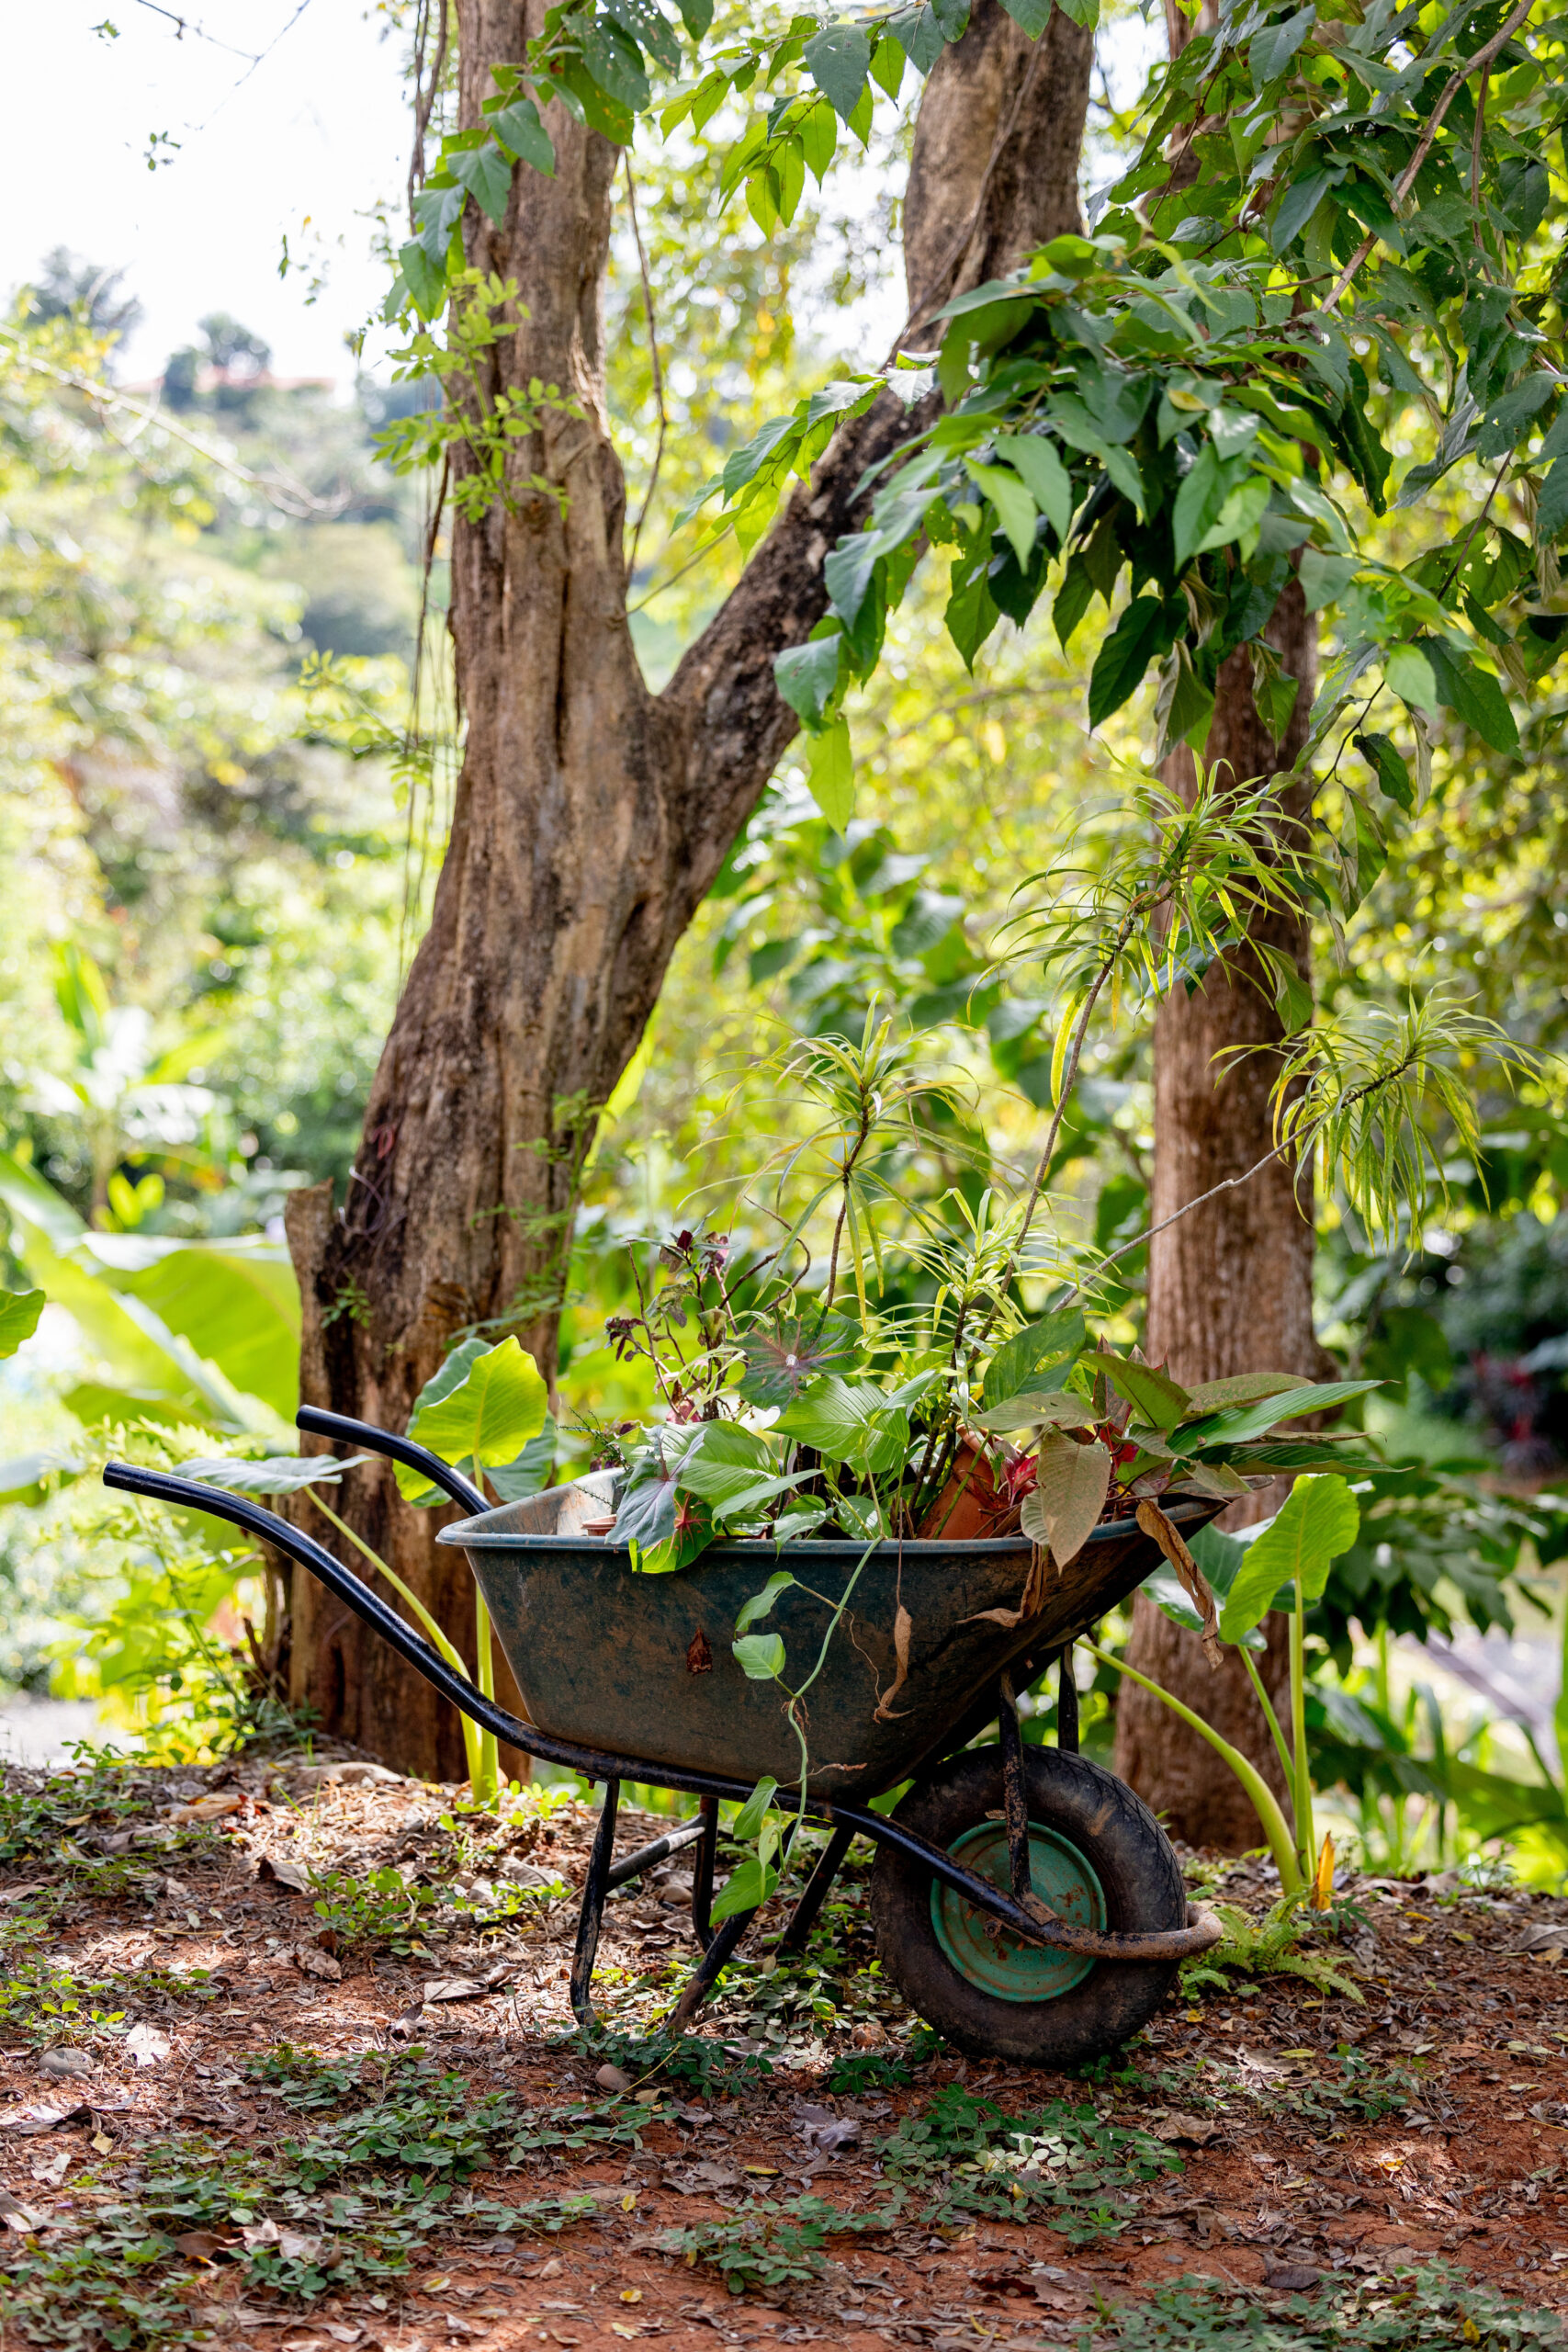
(982, 1951)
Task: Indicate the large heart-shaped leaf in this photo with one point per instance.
(851, 1421)
(1319, 1520)
(1220, 1558)
(484, 1417)
(1070, 1486)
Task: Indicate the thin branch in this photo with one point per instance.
(1233, 1184)
(425, 94)
(183, 25)
(1483, 58)
(658, 369)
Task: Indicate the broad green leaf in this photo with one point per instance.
(722, 1461)
(748, 1822)
(486, 174)
(1153, 1395)
(1050, 485)
(20, 1312)
(760, 1656)
(1053, 1340)
(1218, 1557)
(1039, 1408)
(520, 132)
(236, 1302)
(1256, 1421)
(838, 61)
(489, 1415)
(781, 1362)
(281, 1474)
(806, 674)
(1031, 16)
(1241, 1389)
(1551, 506)
(1408, 673)
(830, 773)
(851, 1422)
(747, 1886)
(1320, 1520)
(1071, 1485)
(1472, 694)
(1143, 634)
(1384, 758)
(1198, 501)
(530, 1474)
(1015, 507)
(761, 1603)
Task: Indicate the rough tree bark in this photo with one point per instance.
(590, 815)
(1230, 1286)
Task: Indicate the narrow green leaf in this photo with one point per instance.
(1050, 485)
(1015, 507)
(830, 773)
(761, 1603)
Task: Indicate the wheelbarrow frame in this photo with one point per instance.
(846, 1820)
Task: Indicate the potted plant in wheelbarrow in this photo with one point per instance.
(876, 1497)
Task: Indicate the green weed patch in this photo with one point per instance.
(1058, 2163)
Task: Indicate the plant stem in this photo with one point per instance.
(1303, 1783)
(1276, 1828)
(486, 1787)
(454, 1658)
(1267, 1704)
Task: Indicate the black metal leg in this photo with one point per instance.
(592, 1912)
(803, 1918)
(722, 1943)
(1015, 1792)
(703, 1978)
(702, 1873)
(1066, 1705)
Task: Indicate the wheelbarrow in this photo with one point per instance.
(1025, 1902)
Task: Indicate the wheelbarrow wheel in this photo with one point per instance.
(1097, 1857)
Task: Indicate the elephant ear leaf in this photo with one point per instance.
(1069, 1492)
(1219, 1557)
(483, 1417)
(20, 1312)
(1320, 1520)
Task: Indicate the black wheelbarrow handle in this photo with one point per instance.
(596, 1764)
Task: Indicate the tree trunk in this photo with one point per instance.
(591, 816)
(1230, 1286)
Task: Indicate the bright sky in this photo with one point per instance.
(318, 128)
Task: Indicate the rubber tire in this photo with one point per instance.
(1137, 1870)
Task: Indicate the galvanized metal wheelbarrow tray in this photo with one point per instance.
(630, 1678)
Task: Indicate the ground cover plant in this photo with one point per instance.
(416, 2139)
